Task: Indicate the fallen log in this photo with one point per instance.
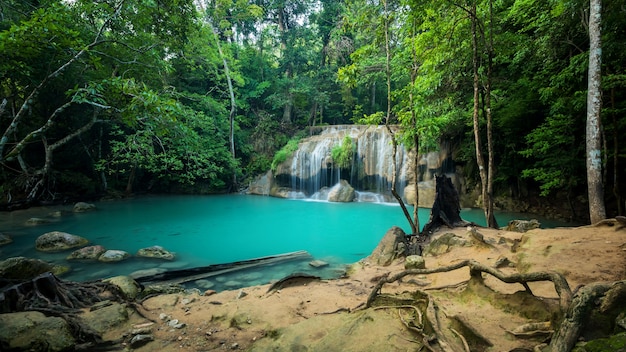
(174, 277)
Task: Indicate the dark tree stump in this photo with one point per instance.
(446, 208)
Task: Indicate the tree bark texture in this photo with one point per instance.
(595, 187)
(446, 209)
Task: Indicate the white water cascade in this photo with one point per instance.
(311, 170)
(311, 173)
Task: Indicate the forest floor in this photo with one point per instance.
(329, 315)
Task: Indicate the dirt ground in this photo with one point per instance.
(328, 315)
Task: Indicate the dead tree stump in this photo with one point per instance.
(446, 209)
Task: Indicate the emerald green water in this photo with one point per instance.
(204, 230)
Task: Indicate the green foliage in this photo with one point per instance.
(285, 152)
(553, 170)
(342, 154)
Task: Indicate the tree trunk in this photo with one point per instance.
(490, 216)
(595, 188)
(395, 194)
(479, 153)
(233, 105)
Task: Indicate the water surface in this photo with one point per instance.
(204, 230)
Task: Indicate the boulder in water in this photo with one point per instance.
(81, 207)
(113, 255)
(56, 241)
(155, 252)
(87, 253)
(341, 192)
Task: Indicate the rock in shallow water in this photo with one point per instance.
(113, 255)
(56, 241)
(155, 252)
(87, 253)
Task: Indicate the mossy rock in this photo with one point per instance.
(615, 343)
(21, 268)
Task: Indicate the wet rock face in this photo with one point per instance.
(57, 241)
(33, 331)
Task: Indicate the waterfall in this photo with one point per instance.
(310, 171)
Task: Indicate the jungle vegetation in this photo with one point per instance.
(122, 96)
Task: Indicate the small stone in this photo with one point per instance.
(234, 346)
(414, 262)
(172, 322)
(164, 316)
(209, 292)
(241, 294)
(318, 263)
(180, 338)
(186, 301)
(140, 340)
(502, 261)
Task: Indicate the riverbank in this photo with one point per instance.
(328, 315)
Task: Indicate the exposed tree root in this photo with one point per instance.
(53, 297)
(601, 296)
(596, 295)
(560, 284)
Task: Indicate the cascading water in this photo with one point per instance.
(312, 171)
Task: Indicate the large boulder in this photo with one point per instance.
(389, 248)
(33, 331)
(104, 318)
(56, 241)
(87, 253)
(129, 287)
(113, 255)
(157, 252)
(23, 269)
(341, 192)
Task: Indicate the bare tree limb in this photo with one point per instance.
(28, 101)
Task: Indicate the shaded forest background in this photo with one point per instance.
(111, 97)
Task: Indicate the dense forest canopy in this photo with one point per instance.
(112, 96)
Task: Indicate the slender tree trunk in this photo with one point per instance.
(479, 153)
(394, 142)
(233, 104)
(595, 188)
(416, 141)
(491, 218)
